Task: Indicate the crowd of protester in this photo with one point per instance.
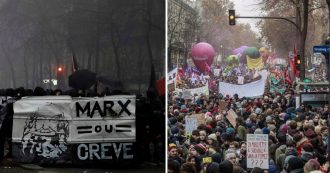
(191, 78)
(298, 137)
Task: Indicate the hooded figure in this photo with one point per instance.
(295, 165)
(226, 167)
(212, 168)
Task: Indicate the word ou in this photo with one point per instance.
(107, 106)
(107, 128)
(104, 151)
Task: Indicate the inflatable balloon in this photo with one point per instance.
(232, 59)
(239, 51)
(253, 59)
(202, 55)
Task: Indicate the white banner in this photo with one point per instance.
(257, 151)
(171, 76)
(186, 93)
(74, 120)
(253, 89)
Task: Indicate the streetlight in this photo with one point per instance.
(60, 76)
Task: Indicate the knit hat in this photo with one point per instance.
(299, 110)
(306, 156)
(212, 136)
(216, 157)
(258, 111)
(172, 120)
(258, 131)
(175, 130)
(200, 148)
(295, 163)
(291, 151)
(230, 130)
(170, 146)
(269, 119)
(208, 114)
(284, 128)
(265, 130)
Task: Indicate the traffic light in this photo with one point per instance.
(232, 18)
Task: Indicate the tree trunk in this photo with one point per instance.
(169, 58)
(303, 39)
(328, 2)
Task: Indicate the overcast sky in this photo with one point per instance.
(248, 8)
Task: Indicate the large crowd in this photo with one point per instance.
(298, 137)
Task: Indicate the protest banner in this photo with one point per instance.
(231, 117)
(253, 89)
(195, 91)
(186, 94)
(56, 128)
(257, 151)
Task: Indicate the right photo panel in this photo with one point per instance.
(248, 86)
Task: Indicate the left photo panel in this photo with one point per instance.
(83, 85)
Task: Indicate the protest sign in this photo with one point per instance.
(240, 80)
(216, 72)
(222, 105)
(191, 124)
(200, 118)
(257, 151)
(231, 117)
(82, 127)
(171, 79)
(171, 76)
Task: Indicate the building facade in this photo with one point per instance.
(183, 24)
